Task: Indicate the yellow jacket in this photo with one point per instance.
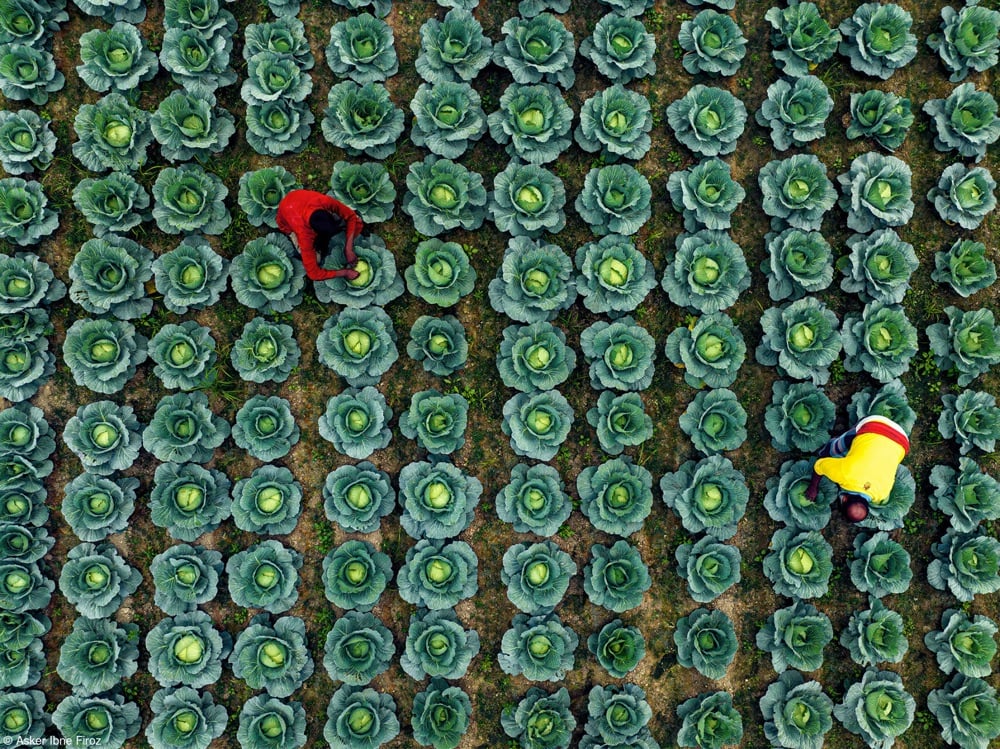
(868, 468)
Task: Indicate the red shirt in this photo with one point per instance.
(294, 211)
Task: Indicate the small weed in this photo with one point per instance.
(675, 158)
(655, 20)
(837, 372)
(746, 82)
(760, 141)
(565, 532)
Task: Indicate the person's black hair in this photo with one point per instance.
(326, 225)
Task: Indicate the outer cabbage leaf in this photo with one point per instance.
(111, 11)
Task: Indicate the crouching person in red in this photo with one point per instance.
(312, 219)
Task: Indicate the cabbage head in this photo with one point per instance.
(102, 355)
(706, 195)
(453, 49)
(194, 58)
(355, 575)
(615, 200)
(967, 710)
(361, 48)
(448, 118)
(366, 187)
(107, 719)
(184, 355)
(278, 126)
(184, 428)
(968, 495)
(362, 119)
(786, 501)
(539, 647)
(358, 648)
(261, 191)
(964, 643)
(535, 500)
(795, 112)
(964, 195)
(185, 577)
(616, 577)
(969, 343)
(439, 344)
(437, 422)
(797, 191)
(710, 351)
(620, 421)
(966, 121)
(881, 116)
(23, 499)
(360, 716)
(708, 120)
(438, 646)
(706, 640)
(356, 422)
(715, 421)
(799, 417)
(268, 501)
(439, 499)
(187, 199)
(799, 564)
(111, 11)
(966, 564)
(441, 715)
(537, 50)
(116, 203)
(27, 142)
(707, 273)
(877, 39)
(616, 496)
(618, 715)
(189, 500)
(878, 708)
(876, 192)
(712, 44)
(104, 436)
(617, 648)
(29, 73)
(190, 276)
(972, 419)
(709, 721)
(25, 214)
(265, 427)
(621, 355)
(798, 263)
(881, 341)
(881, 565)
(378, 282)
(534, 281)
(801, 339)
(438, 574)
(889, 401)
(357, 497)
(442, 195)
(116, 59)
(264, 577)
(537, 576)
(968, 41)
(795, 636)
(801, 38)
(207, 16)
(540, 721)
(708, 495)
(537, 423)
(98, 655)
(527, 201)
(621, 48)
(797, 713)
(265, 351)
(269, 723)
(96, 507)
(615, 123)
(964, 267)
(358, 344)
(185, 719)
(96, 580)
(875, 635)
(709, 567)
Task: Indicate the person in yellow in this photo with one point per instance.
(862, 462)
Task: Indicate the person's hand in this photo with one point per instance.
(813, 490)
(350, 274)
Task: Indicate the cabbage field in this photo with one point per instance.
(536, 478)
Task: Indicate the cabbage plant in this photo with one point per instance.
(108, 719)
(358, 344)
(881, 566)
(357, 497)
(439, 500)
(877, 39)
(22, 668)
(967, 710)
(112, 11)
(616, 577)
(24, 588)
(964, 195)
(968, 495)
(269, 723)
(620, 421)
(540, 721)
(442, 195)
(187, 199)
(537, 576)
(880, 341)
(441, 715)
(712, 44)
(112, 134)
(709, 721)
(362, 119)
(27, 142)
(889, 401)
(448, 118)
(116, 59)
(438, 646)
(534, 281)
(355, 575)
(798, 263)
(797, 713)
(184, 428)
(707, 272)
(878, 708)
(22, 715)
(534, 500)
(879, 266)
(25, 434)
(184, 355)
(615, 200)
(539, 647)
(189, 500)
(799, 563)
(98, 655)
(876, 192)
(795, 112)
(96, 507)
(618, 715)
(115, 203)
(194, 58)
(710, 351)
(715, 421)
(966, 121)
(285, 35)
(795, 636)
(278, 126)
(366, 187)
(23, 499)
(439, 344)
(26, 282)
(453, 49)
(786, 501)
(184, 719)
(614, 277)
(537, 423)
(799, 417)
(527, 201)
(708, 120)
(265, 351)
(621, 355)
(207, 16)
(265, 427)
(25, 214)
(888, 514)
(381, 7)
(102, 355)
(968, 344)
(621, 48)
(881, 116)
(185, 577)
(709, 567)
(875, 635)
(438, 574)
(361, 48)
(964, 643)
(706, 195)
(441, 273)
(25, 366)
(616, 496)
(437, 422)
(31, 21)
(268, 501)
(617, 648)
(360, 716)
(536, 50)
(96, 580)
(24, 544)
(377, 283)
(801, 339)
(801, 38)
(706, 640)
(358, 648)
(264, 577)
(190, 276)
(615, 123)
(104, 436)
(189, 125)
(968, 41)
(28, 73)
(797, 191)
(966, 564)
(964, 267)
(108, 276)
(971, 418)
(708, 495)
